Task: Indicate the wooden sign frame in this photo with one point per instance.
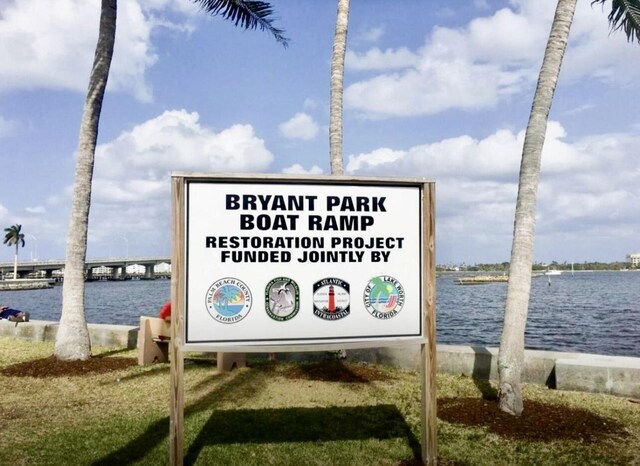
(177, 346)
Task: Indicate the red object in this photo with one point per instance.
(332, 302)
(165, 310)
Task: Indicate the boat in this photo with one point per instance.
(482, 279)
(553, 272)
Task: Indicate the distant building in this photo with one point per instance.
(634, 259)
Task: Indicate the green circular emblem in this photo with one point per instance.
(282, 299)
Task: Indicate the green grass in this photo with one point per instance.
(274, 414)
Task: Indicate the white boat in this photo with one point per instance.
(553, 272)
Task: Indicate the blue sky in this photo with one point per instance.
(433, 89)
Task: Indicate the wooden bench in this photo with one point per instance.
(153, 345)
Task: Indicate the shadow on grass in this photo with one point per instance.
(302, 425)
(243, 382)
(482, 372)
(138, 448)
(335, 371)
(268, 425)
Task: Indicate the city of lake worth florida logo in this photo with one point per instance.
(228, 300)
(331, 299)
(383, 297)
(282, 299)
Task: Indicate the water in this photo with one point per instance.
(106, 302)
(595, 312)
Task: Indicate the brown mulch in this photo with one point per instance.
(538, 422)
(52, 367)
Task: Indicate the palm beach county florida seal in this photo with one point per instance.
(383, 297)
(331, 299)
(228, 300)
(282, 299)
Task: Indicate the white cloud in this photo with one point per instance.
(297, 169)
(131, 186)
(579, 109)
(300, 126)
(137, 164)
(587, 187)
(371, 35)
(310, 104)
(373, 159)
(466, 68)
(55, 50)
(376, 59)
(484, 62)
(36, 210)
(595, 52)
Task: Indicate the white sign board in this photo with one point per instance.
(283, 262)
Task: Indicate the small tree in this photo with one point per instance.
(13, 237)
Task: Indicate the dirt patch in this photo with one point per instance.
(52, 367)
(336, 371)
(539, 422)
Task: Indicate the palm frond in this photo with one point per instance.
(625, 15)
(13, 237)
(246, 14)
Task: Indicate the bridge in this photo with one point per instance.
(114, 267)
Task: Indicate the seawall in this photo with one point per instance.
(615, 375)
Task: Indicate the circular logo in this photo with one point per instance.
(331, 299)
(383, 297)
(282, 299)
(228, 300)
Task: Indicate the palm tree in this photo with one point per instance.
(625, 14)
(13, 237)
(72, 340)
(337, 79)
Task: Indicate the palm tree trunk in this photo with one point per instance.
(337, 80)
(72, 340)
(15, 263)
(511, 355)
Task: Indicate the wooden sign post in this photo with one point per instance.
(281, 263)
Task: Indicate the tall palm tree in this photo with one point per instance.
(511, 355)
(337, 80)
(72, 340)
(624, 14)
(13, 237)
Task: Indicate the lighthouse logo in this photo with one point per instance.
(383, 297)
(331, 299)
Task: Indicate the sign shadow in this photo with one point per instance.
(302, 425)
